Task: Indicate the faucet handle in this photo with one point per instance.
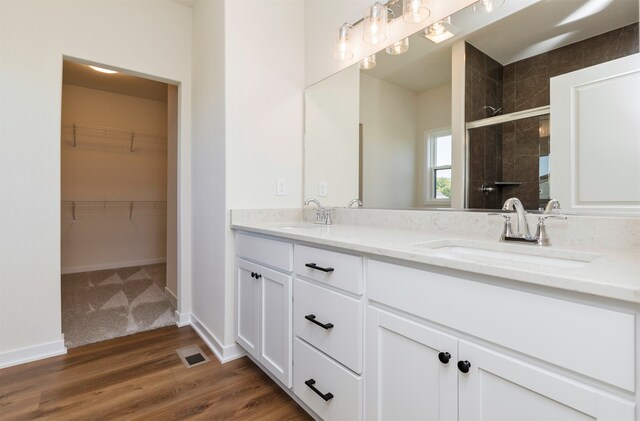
(506, 216)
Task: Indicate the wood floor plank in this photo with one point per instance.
(141, 377)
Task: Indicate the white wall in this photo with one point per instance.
(248, 129)
(331, 144)
(103, 168)
(388, 114)
(148, 38)
(208, 169)
(324, 17)
(434, 112)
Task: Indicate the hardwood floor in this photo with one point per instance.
(140, 377)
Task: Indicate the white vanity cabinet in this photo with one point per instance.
(408, 378)
(328, 325)
(264, 298)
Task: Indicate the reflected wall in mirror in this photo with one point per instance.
(384, 134)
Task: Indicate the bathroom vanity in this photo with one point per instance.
(374, 322)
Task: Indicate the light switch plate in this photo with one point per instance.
(281, 187)
(322, 188)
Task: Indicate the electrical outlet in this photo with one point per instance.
(322, 188)
(281, 187)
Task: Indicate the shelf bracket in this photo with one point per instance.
(133, 135)
(75, 142)
(130, 210)
(73, 210)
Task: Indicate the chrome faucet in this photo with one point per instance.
(323, 215)
(522, 228)
(522, 233)
(355, 202)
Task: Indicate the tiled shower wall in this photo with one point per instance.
(510, 152)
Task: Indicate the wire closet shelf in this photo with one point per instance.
(76, 130)
(129, 205)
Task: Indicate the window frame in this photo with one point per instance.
(430, 142)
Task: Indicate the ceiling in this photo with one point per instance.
(517, 30)
(120, 83)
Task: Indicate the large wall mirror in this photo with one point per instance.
(381, 130)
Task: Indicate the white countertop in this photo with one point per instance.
(612, 274)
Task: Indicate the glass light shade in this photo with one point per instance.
(415, 11)
(368, 62)
(439, 28)
(376, 24)
(487, 6)
(440, 31)
(398, 48)
(342, 49)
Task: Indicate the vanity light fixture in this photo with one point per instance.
(375, 24)
(103, 70)
(343, 50)
(440, 31)
(487, 6)
(398, 48)
(415, 11)
(368, 62)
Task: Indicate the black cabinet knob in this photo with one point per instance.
(464, 366)
(253, 274)
(258, 276)
(444, 357)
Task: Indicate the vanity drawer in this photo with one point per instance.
(328, 377)
(274, 253)
(594, 341)
(343, 341)
(343, 271)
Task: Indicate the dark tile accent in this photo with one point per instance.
(532, 92)
(536, 66)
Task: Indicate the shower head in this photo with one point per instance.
(494, 111)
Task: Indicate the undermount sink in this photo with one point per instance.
(509, 254)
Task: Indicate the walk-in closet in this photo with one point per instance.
(118, 210)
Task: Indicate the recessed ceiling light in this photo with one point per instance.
(102, 70)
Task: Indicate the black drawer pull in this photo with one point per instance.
(326, 396)
(316, 267)
(256, 275)
(444, 357)
(312, 319)
(464, 366)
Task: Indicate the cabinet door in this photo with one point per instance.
(275, 323)
(405, 378)
(248, 302)
(498, 387)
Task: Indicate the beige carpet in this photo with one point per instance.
(107, 304)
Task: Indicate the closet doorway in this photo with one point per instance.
(119, 204)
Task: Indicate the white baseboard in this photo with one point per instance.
(116, 265)
(224, 354)
(171, 296)
(183, 319)
(32, 353)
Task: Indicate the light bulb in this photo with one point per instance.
(398, 48)
(342, 50)
(368, 62)
(487, 6)
(375, 24)
(440, 31)
(415, 11)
